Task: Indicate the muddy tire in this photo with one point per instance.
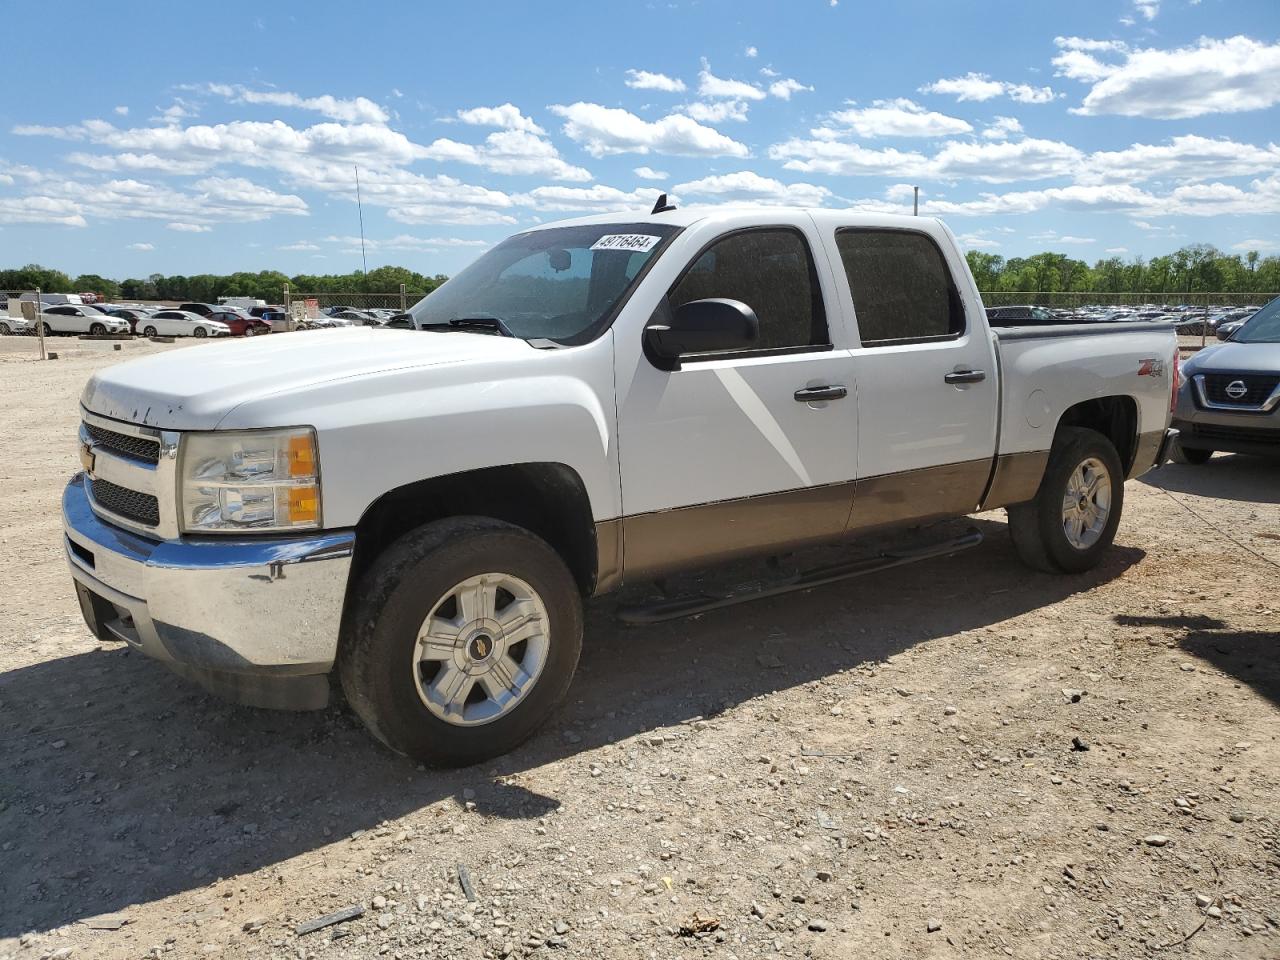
(1072, 521)
(463, 638)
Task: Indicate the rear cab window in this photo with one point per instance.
(902, 289)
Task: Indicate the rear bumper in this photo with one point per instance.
(253, 620)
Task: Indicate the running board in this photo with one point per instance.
(674, 609)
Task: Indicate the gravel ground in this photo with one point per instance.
(894, 766)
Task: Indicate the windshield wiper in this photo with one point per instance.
(486, 322)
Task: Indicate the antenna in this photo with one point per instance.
(662, 206)
(360, 206)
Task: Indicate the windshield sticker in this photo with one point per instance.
(630, 242)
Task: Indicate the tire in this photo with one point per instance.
(249, 331)
(201, 332)
(1039, 528)
(4, 329)
(392, 690)
(97, 329)
(46, 329)
(1189, 455)
(149, 331)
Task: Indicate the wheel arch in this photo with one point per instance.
(1115, 417)
(548, 499)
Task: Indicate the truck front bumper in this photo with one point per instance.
(254, 620)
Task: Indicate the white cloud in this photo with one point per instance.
(644, 80)
(1182, 158)
(1147, 8)
(143, 247)
(299, 246)
(1029, 159)
(608, 130)
(975, 241)
(846, 159)
(1052, 237)
(898, 118)
(181, 227)
(1002, 128)
(133, 162)
(751, 52)
(122, 111)
(1247, 245)
(901, 191)
(598, 198)
(41, 210)
(506, 116)
(1214, 76)
(711, 86)
(980, 87)
(716, 111)
(648, 173)
(783, 89)
(1116, 250)
(513, 152)
(357, 110)
(747, 185)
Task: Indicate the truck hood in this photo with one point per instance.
(194, 388)
(1232, 357)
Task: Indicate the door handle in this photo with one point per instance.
(814, 394)
(966, 376)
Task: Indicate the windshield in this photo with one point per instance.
(1262, 327)
(560, 284)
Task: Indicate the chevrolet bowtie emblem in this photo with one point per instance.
(87, 458)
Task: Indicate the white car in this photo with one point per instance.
(608, 400)
(181, 323)
(79, 318)
(12, 326)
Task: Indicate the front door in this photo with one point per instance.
(727, 455)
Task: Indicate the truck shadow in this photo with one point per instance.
(1227, 477)
(120, 784)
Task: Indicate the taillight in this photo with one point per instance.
(1176, 379)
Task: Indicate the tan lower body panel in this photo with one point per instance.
(1017, 478)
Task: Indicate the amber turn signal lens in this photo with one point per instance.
(302, 456)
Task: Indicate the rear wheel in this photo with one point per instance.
(201, 332)
(4, 329)
(465, 638)
(1072, 520)
(97, 329)
(46, 330)
(149, 331)
(1190, 455)
(249, 330)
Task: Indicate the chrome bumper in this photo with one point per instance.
(255, 620)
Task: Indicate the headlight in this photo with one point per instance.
(260, 480)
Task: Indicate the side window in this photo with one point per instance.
(772, 272)
(902, 289)
(61, 311)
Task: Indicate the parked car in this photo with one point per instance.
(182, 323)
(1230, 325)
(241, 324)
(1019, 316)
(13, 326)
(80, 318)
(200, 309)
(130, 315)
(275, 316)
(1231, 398)
(422, 512)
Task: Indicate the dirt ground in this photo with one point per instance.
(880, 768)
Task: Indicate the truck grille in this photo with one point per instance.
(136, 448)
(1257, 388)
(130, 504)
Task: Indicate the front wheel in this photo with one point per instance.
(46, 330)
(249, 331)
(1072, 520)
(4, 329)
(201, 332)
(97, 329)
(465, 638)
(149, 332)
(1181, 454)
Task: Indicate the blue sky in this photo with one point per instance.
(181, 138)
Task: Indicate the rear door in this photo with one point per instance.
(928, 388)
(726, 456)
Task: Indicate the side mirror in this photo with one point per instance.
(702, 326)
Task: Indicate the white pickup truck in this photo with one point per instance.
(420, 514)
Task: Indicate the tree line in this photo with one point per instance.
(265, 285)
(1200, 268)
